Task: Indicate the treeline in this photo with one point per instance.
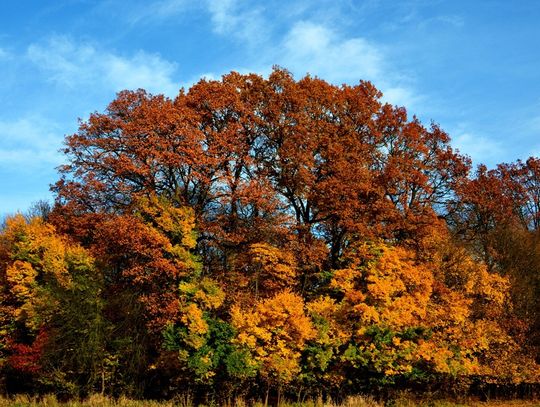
(268, 237)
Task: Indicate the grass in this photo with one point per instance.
(356, 401)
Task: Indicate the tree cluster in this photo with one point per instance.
(271, 236)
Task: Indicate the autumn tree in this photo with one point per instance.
(259, 159)
(496, 217)
(271, 232)
(274, 332)
(51, 310)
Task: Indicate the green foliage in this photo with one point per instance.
(214, 356)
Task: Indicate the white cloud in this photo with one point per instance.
(223, 17)
(321, 51)
(29, 143)
(481, 149)
(167, 8)
(150, 11)
(238, 18)
(454, 20)
(316, 49)
(74, 65)
(402, 95)
(305, 47)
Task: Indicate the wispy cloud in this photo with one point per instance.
(73, 65)
(322, 51)
(166, 8)
(28, 153)
(316, 49)
(454, 20)
(319, 50)
(149, 11)
(238, 19)
(29, 143)
(303, 42)
(480, 148)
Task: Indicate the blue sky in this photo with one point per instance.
(471, 66)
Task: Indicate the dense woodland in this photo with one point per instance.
(271, 236)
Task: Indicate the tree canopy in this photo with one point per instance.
(271, 233)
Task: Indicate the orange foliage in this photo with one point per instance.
(149, 251)
(312, 227)
(274, 331)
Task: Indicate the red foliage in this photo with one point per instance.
(27, 358)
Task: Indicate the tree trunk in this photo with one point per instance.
(266, 398)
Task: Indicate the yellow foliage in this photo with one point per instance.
(39, 245)
(392, 290)
(266, 268)
(452, 296)
(179, 223)
(36, 251)
(22, 277)
(206, 293)
(274, 331)
(193, 319)
(176, 225)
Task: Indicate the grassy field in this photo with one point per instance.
(358, 401)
